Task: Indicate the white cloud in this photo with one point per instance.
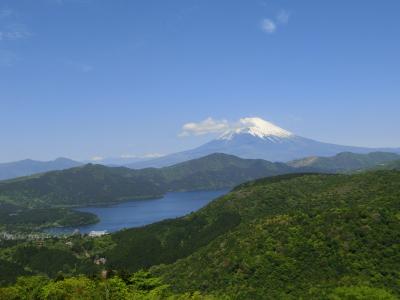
(128, 156)
(146, 155)
(206, 126)
(97, 158)
(268, 26)
(13, 32)
(210, 125)
(152, 155)
(271, 25)
(283, 17)
(10, 28)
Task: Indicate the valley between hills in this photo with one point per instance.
(45, 200)
(309, 236)
(310, 229)
(199, 150)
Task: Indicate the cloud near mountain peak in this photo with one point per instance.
(206, 126)
(211, 125)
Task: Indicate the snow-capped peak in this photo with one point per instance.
(256, 127)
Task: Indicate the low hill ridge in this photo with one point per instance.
(346, 161)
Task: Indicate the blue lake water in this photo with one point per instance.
(136, 213)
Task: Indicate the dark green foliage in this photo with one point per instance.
(360, 293)
(300, 236)
(91, 184)
(94, 184)
(219, 170)
(45, 260)
(140, 286)
(9, 271)
(30, 201)
(14, 217)
(167, 241)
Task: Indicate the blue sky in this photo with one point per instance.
(84, 78)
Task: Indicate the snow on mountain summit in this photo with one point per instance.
(256, 138)
(256, 127)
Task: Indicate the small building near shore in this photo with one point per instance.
(97, 233)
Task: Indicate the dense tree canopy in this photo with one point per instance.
(308, 236)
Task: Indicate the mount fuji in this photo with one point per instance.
(257, 138)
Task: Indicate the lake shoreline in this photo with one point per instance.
(140, 212)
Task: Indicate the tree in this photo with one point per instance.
(76, 288)
(360, 293)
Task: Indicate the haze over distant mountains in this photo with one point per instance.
(348, 162)
(95, 184)
(123, 160)
(256, 138)
(28, 167)
(252, 138)
(101, 184)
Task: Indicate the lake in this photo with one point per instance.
(136, 213)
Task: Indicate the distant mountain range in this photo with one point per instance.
(253, 138)
(259, 139)
(98, 184)
(94, 184)
(347, 162)
(28, 167)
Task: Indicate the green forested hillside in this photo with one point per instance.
(23, 219)
(345, 162)
(94, 184)
(219, 170)
(391, 165)
(78, 186)
(139, 286)
(144, 286)
(299, 236)
(38, 200)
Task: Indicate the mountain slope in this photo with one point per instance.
(92, 184)
(346, 161)
(258, 139)
(28, 167)
(16, 218)
(220, 171)
(391, 165)
(298, 237)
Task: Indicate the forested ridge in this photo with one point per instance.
(51, 194)
(296, 236)
(346, 161)
(98, 184)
